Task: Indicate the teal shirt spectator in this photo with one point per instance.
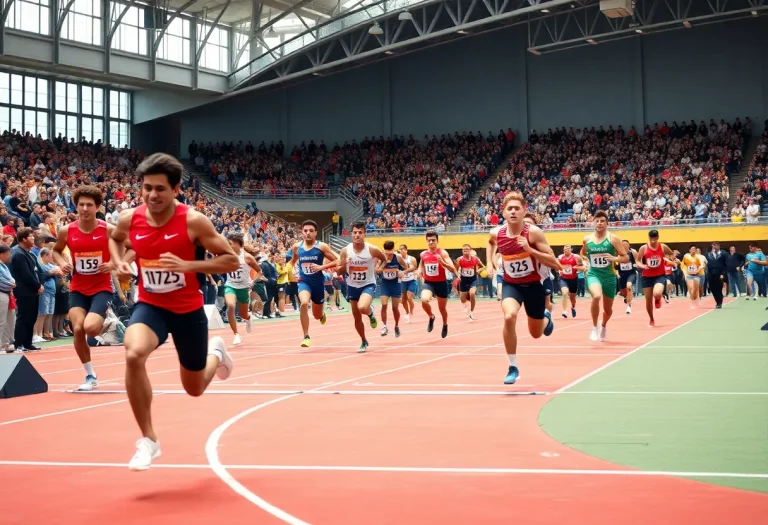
(753, 266)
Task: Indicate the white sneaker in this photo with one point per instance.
(595, 334)
(629, 309)
(471, 316)
(146, 451)
(602, 333)
(90, 383)
(408, 318)
(217, 347)
(249, 325)
(236, 340)
(38, 339)
(384, 331)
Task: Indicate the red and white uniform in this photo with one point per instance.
(518, 266)
(89, 251)
(433, 270)
(569, 264)
(668, 268)
(174, 291)
(468, 267)
(654, 259)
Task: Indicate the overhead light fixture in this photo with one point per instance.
(545, 10)
(639, 31)
(375, 29)
(754, 13)
(592, 41)
(687, 24)
(534, 51)
(271, 33)
(388, 52)
(404, 16)
(317, 74)
(462, 32)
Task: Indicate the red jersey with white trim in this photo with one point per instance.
(468, 267)
(569, 264)
(668, 268)
(519, 266)
(177, 292)
(89, 251)
(433, 270)
(654, 259)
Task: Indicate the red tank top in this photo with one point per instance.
(433, 270)
(654, 259)
(173, 291)
(668, 268)
(89, 251)
(568, 263)
(519, 266)
(468, 267)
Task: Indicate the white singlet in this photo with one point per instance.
(360, 267)
(240, 279)
(408, 277)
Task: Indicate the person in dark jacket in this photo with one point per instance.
(716, 272)
(26, 271)
(733, 264)
(270, 274)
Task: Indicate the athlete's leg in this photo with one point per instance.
(396, 312)
(304, 300)
(358, 318)
(231, 300)
(442, 306)
(629, 294)
(140, 341)
(510, 306)
(317, 311)
(77, 318)
(596, 292)
(648, 292)
(567, 298)
(472, 299)
(607, 309)
(384, 305)
(426, 297)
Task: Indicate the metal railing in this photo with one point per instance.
(278, 194)
(584, 226)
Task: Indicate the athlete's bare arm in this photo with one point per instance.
(108, 267)
(378, 255)
(329, 254)
(341, 267)
(58, 251)
(402, 262)
(446, 261)
(490, 251)
(295, 254)
(639, 258)
(581, 265)
(202, 232)
(412, 268)
(250, 260)
(621, 253)
(669, 255)
(119, 243)
(538, 246)
(583, 251)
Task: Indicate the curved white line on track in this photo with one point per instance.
(211, 445)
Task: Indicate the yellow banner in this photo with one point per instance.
(703, 235)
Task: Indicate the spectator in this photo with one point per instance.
(25, 271)
(7, 314)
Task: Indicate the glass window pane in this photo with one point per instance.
(124, 140)
(42, 93)
(86, 102)
(86, 128)
(60, 90)
(42, 124)
(114, 104)
(124, 105)
(59, 125)
(30, 121)
(30, 91)
(72, 127)
(114, 134)
(16, 119)
(17, 90)
(5, 88)
(5, 119)
(98, 130)
(72, 98)
(98, 102)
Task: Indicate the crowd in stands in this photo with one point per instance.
(660, 176)
(754, 192)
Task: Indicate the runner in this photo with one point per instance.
(238, 286)
(165, 234)
(310, 254)
(628, 276)
(408, 282)
(358, 261)
(90, 295)
(602, 249)
(570, 264)
(468, 265)
(692, 264)
(390, 287)
(434, 261)
(650, 259)
(547, 278)
(523, 248)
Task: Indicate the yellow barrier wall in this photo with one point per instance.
(698, 234)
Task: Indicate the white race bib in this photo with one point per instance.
(87, 263)
(625, 266)
(599, 260)
(654, 262)
(431, 269)
(389, 273)
(567, 270)
(467, 272)
(358, 274)
(518, 266)
(158, 280)
(693, 270)
(306, 268)
(237, 275)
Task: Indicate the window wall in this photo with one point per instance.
(176, 43)
(216, 52)
(130, 35)
(50, 107)
(83, 22)
(29, 15)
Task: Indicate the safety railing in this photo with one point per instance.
(585, 226)
(280, 194)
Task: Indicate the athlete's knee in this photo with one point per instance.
(510, 317)
(135, 355)
(92, 327)
(194, 388)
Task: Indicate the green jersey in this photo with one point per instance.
(599, 264)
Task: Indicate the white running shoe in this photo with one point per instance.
(236, 340)
(146, 451)
(249, 325)
(602, 333)
(408, 318)
(595, 334)
(90, 383)
(384, 331)
(217, 347)
(629, 309)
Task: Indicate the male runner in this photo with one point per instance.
(390, 286)
(358, 261)
(310, 254)
(692, 265)
(571, 264)
(602, 249)
(650, 259)
(91, 287)
(238, 286)
(547, 278)
(408, 282)
(434, 261)
(523, 249)
(468, 265)
(165, 234)
(628, 276)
